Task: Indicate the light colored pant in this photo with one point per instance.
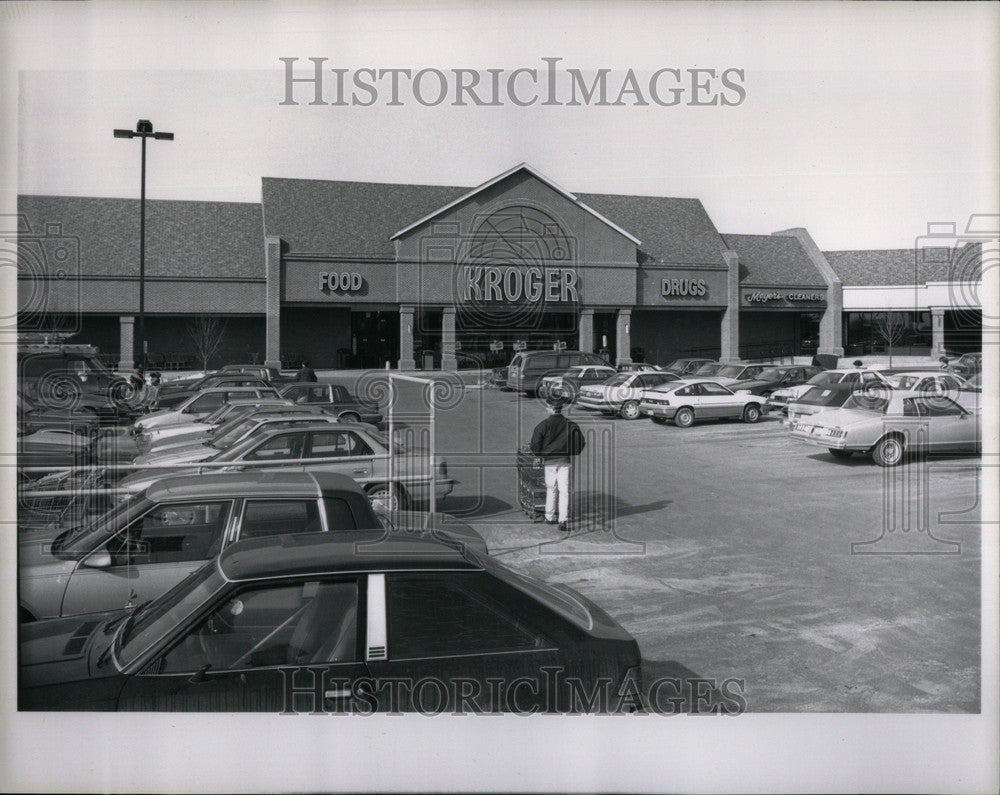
(557, 487)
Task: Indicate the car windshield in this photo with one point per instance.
(820, 379)
(708, 369)
(731, 371)
(822, 396)
(868, 401)
(669, 386)
(232, 431)
(903, 381)
(618, 380)
(771, 374)
(85, 538)
(156, 619)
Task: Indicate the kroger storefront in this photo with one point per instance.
(351, 274)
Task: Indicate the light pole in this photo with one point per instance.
(143, 130)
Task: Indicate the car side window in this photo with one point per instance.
(713, 389)
(341, 395)
(295, 393)
(544, 362)
(286, 446)
(209, 402)
(330, 444)
(685, 391)
(172, 533)
(306, 623)
(436, 615)
(278, 517)
(939, 407)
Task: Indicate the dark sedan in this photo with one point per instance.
(687, 366)
(335, 399)
(338, 624)
(765, 382)
(168, 397)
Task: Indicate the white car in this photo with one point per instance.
(153, 437)
(780, 398)
(201, 405)
(568, 383)
(689, 400)
(621, 394)
(934, 382)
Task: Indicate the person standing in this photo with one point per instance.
(557, 440)
(306, 373)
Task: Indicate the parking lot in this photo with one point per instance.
(726, 550)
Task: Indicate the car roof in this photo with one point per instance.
(263, 401)
(212, 389)
(319, 425)
(303, 554)
(251, 483)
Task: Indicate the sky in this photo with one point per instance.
(862, 122)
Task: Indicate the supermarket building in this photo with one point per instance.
(355, 274)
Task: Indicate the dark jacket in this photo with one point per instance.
(307, 374)
(557, 438)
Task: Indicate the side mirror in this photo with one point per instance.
(99, 559)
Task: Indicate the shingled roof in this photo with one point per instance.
(359, 218)
(773, 260)
(905, 266)
(183, 238)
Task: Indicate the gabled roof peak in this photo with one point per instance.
(498, 178)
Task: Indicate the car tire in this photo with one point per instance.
(684, 418)
(840, 453)
(659, 420)
(751, 413)
(350, 416)
(629, 410)
(889, 451)
(394, 499)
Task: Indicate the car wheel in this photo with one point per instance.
(387, 498)
(684, 418)
(350, 416)
(751, 412)
(659, 420)
(630, 410)
(888, 452)
(841, 453)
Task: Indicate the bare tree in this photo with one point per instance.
(207, 332)
(890, 328)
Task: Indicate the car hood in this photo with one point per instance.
(157, 418)
(754, 383)
(60, 650)
(177, 455)
(793, 391)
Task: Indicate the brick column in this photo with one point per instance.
(623, 337)
(126, 343)
(272, 303)
(937, 331)
(448, 359)
(730, 325)
(406, 361)
(586, 342)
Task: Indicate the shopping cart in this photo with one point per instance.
(531, 484)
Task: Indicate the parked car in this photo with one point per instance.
(169, 396)
(638, 367)
(498, 377)
(200, 404)
(781, 377)
(780, 398)
(708, 370)
(146, 545)
(56, 447)
(933, 382)
(229, 435)
(687, 366)
(32, 416)
(365, 619)
(890, 425)
(337, 398)
(820, 398)
(355, 449)
(272, 375)
(527, 368)
(733, 373)
(687, 401)
(568, 383)
(621, 394)
(968, 365)
(153, 437)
